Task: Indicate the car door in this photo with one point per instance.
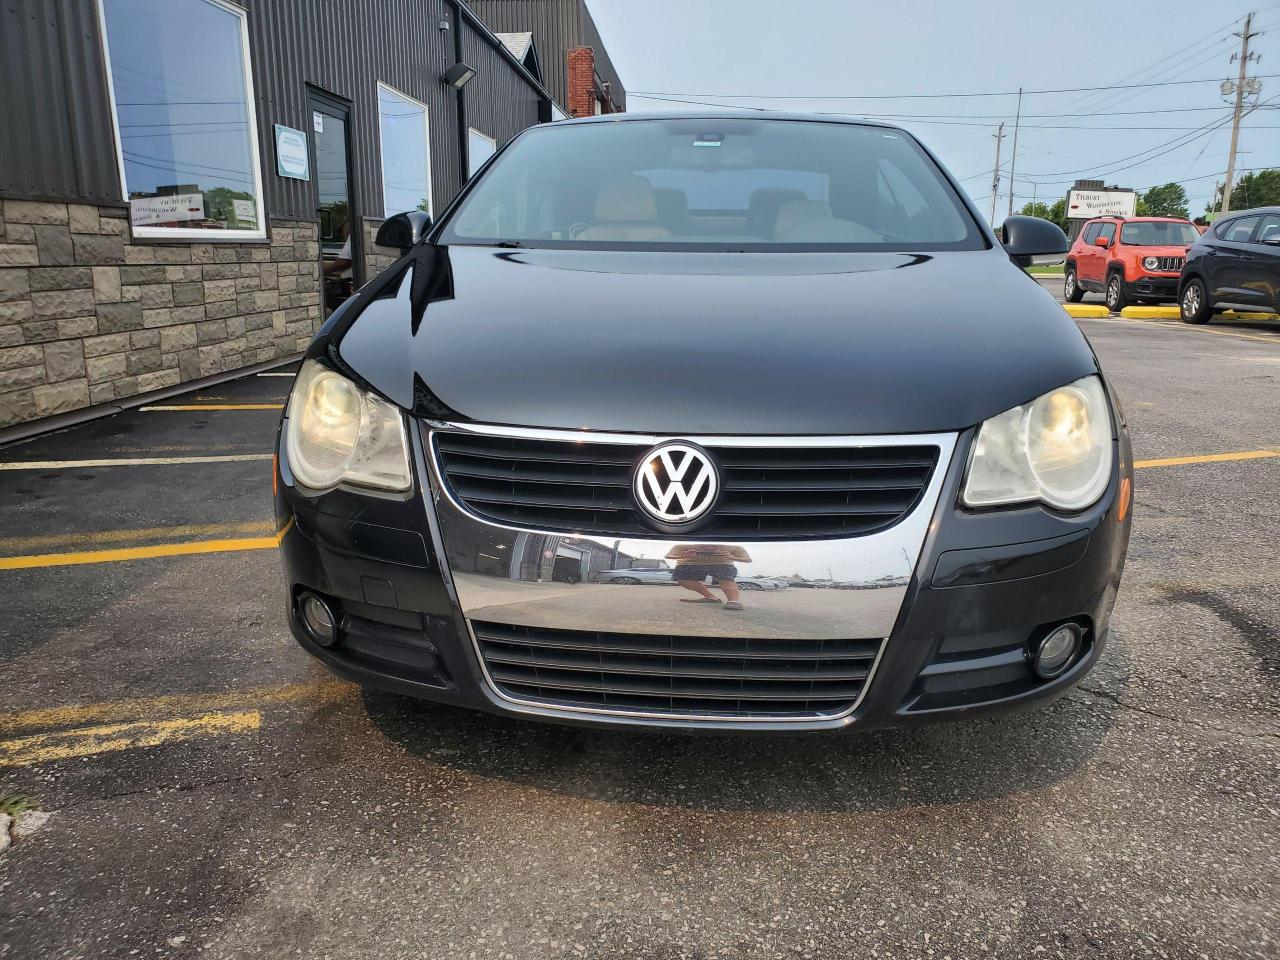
(1101, 255)
(1088, 255)
(1230, 270)
(1263, 267)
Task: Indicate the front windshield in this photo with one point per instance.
(1159, 234)
(715, 184)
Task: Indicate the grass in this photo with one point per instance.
(14, 804)
(1051, 269)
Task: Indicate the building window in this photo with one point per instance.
(479, 149)
(403, 134)
(182, 105)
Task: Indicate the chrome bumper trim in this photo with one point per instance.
(509, 574)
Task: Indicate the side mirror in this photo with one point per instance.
(1102, 242)
(404, 231)
(1033, 237)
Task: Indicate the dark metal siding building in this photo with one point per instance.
(53, 91)
(110, 292)
(557, 26)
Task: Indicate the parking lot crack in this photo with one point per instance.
(1182, 721)
(200, 785)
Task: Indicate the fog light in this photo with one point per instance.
(319, 619)
(1056, 651)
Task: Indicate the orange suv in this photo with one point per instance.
(1135, 259)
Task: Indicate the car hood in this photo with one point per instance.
(708, 343)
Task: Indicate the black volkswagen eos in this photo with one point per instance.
(782, 348)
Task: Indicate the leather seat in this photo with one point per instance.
(811, 221)
(673, 209)
(762, 210)
(626, 209)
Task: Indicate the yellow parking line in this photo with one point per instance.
(212, 406)
(1199, 328)
(1208, 458)
(87, 741)
(130, 462)
(144, 553)
(324, 690)
(180, 532)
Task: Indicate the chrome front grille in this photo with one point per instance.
(1171, 264)
(660, 675)
(783, 492)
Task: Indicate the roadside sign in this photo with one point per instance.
(1083, 204)
(291, 153)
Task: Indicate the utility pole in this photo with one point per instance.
(995, 175)
(1013, 155)
(1243, 86)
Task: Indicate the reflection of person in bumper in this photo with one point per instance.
(697, 561)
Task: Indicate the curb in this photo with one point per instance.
(1086, 311)
(1151, 313)
(1233, 315)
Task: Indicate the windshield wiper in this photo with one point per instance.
(509, 244)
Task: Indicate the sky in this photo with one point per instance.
(876, 58)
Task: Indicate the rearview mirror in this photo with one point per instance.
(404, 231)
(1026, 237)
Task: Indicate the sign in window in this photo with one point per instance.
(183, 109)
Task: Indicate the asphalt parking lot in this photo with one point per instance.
(214, 793)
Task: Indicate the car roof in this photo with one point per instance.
(728, 115)
(1144, 219)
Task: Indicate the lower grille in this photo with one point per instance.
(713, 678)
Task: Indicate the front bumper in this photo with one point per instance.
(1154, 286)
(950, 599)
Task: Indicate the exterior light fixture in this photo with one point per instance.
(458, 75)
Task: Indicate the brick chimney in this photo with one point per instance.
(582, 82)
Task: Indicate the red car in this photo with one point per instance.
(1137, 259)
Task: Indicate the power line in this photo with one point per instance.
(1171, 144)
(953, 117)
(661, 94)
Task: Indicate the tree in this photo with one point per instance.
(1054, 214)
(1058, 213)
(1261, 188)
(1169, 200)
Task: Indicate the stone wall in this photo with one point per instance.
(87, 316)
(376, 258)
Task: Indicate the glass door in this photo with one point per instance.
(339, 225)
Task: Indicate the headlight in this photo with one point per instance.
(1056, 449)
(1151, 263)
(337, 433)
